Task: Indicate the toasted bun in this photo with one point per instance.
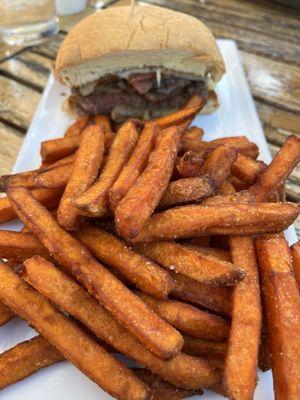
(113, 41)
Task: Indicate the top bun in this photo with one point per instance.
(113, 41)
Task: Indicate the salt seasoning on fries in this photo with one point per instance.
(69, 339)
(282, 302)
(189, 165)
(95, 201)
(55, 149)
(157, 335)
(85, 171)
(54, 178)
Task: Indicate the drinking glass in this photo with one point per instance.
(27, 22)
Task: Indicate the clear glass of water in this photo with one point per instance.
(27, 22)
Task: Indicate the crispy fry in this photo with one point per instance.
(69, 339)
(202, 267)
(218, 163)
(59, 163)
(153, 332)
(246, 169)
(78, 126)
(244, 339)
(279, 169)
(48, 197)
(226, 187)
(95, 200)
(237, 183)
(195, 104)
(189, 165)
(25, 179)
(187, 190)
(243, 197)
(240, 143)
(54, 178)
(182, 370)
(282, 303)
(103, 120)
(295, 251)
(162, 390)
(135, 165)
(189, 319)
(194, 133)
(218, 253)
(17, 246)
(84, 172)
(235, 219)
(25, 359)
(5, 315)
(55, 149)
(200, 347)
(136, 207)
(214, 298)
(142, 272)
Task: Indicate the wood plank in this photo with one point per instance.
(11, 141)
(17, 103)
(28, 67)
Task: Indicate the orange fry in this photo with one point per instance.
(295, 251)
(69, 339)
(194, 264)
(235, 219)
(189, 319)
(187, 190)
(55, 149)
(279, 169)
(54, 178)
(182, 370)
(244, 339)
(156, 334)
(243, 197)
(25, 359)
(136, 207)
(5, 315)
(247, 169)
(189, 165)
(135, 165)
(94, 202)
(194, 133)
(103, 120)
(201, 347)
(84, 172)
(142, 272)
(218, 253)
(25, 179)
(282, 303)
(77, 127)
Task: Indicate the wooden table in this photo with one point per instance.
(267, 34)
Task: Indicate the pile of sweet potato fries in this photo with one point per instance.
(146, 240)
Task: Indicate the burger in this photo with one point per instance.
(143, 65)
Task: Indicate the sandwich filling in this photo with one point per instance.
(146, 94)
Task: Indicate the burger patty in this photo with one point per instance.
(138, 91)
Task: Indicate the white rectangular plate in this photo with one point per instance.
(236, 116)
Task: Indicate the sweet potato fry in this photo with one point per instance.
(77, 127)
(84, 172)
(235, 219)
(189, 165)
(48, 197)
(59, 163)
(186, 113)
(218, 253)
(54, 178)
(279, 169)
(17, 246)
(135, 165)
(244, 339)
(218, 163)
(69, 339)
(5, 315)
(103, 120)
(282, 303)
(95, 201)
(238, 184)
(200, 347)
(295, 251)
(240, 143)
(246, 169)
(140, 201)
(194, 133)
(226, 187)
(214, 298)
(25, 179)
(182, 370)
(187, 190)
(153, 332)
(25, 359)
(202, 267)
(142, 272)
(189, 319)
(243, 197)
(55, 149)
(162, 390)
